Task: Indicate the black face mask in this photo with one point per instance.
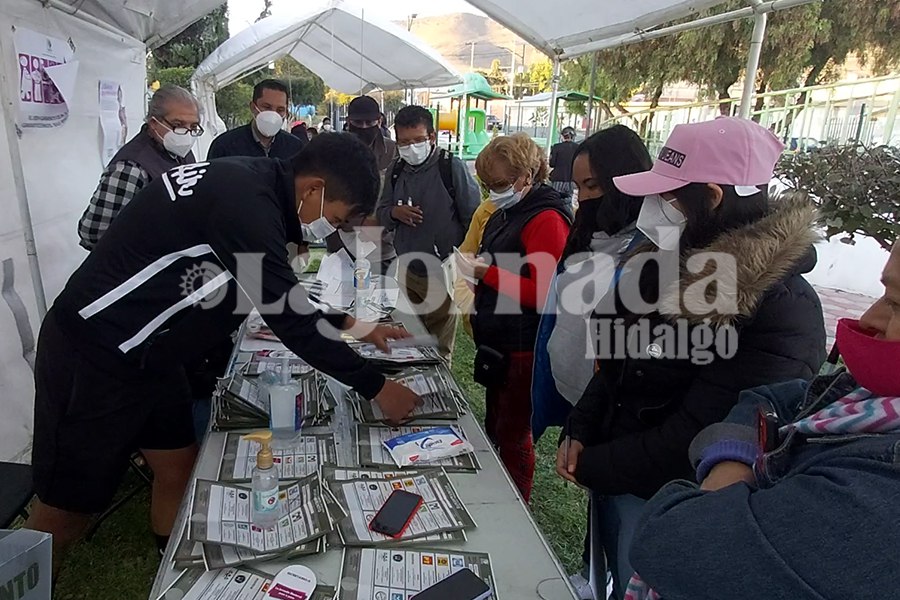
(367, 134)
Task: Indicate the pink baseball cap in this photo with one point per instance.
(727, 151)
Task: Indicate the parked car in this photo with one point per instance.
(493, 123)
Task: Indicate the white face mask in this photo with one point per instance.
(416, 154)
(507, 198)
(269, 122)
(319, 229)
(179, 145)
(661, 222)
(328, 127)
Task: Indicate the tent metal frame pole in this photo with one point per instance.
(18, 173)
(554, 98)
(590, 103)
(756, 44)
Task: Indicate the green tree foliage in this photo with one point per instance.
(802, 47)
(540, 74)
(305, 86)
(857, 189)
(191, 46)
(233, 103)
(180, 76)
(393, 102)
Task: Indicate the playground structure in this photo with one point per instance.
(463, 129)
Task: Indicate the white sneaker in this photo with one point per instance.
(582, 587)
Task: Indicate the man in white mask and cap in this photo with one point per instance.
(428, 200)
(264, 135)
(165, 141)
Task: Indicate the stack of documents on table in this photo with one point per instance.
(401, 573)
(229, 584)
(241, 402)
(272, 360)
(301, 457)
(434, 384)
(221, 522)
(373, 453)
(399, 356)
(441, 513)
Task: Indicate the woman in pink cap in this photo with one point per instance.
(714, 302)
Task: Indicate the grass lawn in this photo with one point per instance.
(120, 562)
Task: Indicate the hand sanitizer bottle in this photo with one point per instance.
(285, 408)
(265, 504)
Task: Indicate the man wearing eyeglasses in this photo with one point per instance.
(265, 134)
(164, 142)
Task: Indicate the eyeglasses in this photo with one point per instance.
(408, 143)
(193, 131)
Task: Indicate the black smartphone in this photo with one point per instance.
(396, 513)
(462, 585)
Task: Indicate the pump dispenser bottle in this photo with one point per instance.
(264, 492)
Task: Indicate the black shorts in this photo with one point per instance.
(88, 421)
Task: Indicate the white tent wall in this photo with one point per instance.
(346, 45)
(61, 166)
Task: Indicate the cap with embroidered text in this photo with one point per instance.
(726, 151)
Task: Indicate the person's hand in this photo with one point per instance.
(727, 473)
(408, 215)
(472, 267)
(567, 459)
(397, 402)
(382, 334)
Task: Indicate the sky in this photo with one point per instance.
(243, 13)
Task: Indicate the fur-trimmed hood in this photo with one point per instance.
(765, 253)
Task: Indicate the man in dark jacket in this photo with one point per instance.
(427, 202)
(264, 135)
(165, 141)
(180, 268)
(562, 155)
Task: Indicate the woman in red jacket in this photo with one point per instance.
(522, 243)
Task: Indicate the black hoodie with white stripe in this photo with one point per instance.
(185, 262)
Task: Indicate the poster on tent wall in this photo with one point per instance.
(47, 71)
(113, 118)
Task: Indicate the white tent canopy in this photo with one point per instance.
(153, 22)
(345, 45)
(582, 23)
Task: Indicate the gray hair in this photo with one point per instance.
(168, 94)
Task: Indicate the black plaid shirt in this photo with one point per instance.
(118, 185)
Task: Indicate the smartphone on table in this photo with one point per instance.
(396, 514)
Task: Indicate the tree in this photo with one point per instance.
(393, 102)
(540, 74)
(266, 11)
(495, 77)
(180, 76)
(233, 103)
(306, 87)
(191, 46)
(856, 189)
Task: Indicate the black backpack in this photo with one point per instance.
(444, 166)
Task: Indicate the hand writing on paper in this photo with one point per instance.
(567, 459)
(397, 402)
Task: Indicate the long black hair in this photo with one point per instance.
(705, 224)
(612, 152)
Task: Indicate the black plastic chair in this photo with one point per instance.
(15, 492)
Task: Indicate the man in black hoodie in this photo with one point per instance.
(178, 270)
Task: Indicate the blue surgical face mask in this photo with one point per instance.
(507, 198)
